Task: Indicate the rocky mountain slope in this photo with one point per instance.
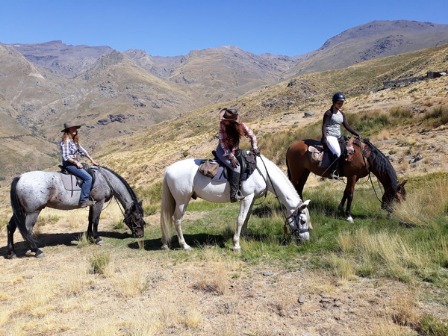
(369, 41)
(64, 59)
(280, 110)
(115, 94)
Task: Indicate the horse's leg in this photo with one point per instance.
(244, 228)
(178, 214)
(27, 233)
(11, 228)
(301, 182)
(245, 206)
(348, 195)
(94, 219)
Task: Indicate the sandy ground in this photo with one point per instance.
(151, 292)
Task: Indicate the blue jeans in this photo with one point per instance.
(85, 189)
(225, 159)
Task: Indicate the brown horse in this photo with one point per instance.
(365, 159)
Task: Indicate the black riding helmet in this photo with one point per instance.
(338, 96)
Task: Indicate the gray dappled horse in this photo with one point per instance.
(36, 190)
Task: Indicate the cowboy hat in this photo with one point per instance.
(230, 114)
(70, 124)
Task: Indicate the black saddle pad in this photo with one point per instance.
(247, 162)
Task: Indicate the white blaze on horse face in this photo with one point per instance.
(303, 226)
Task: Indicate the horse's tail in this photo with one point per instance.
(19, 214)
(166, 213)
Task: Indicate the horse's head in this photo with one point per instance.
(393, 196)
(133, 217)
(298, 222)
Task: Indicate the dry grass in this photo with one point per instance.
(420, 207)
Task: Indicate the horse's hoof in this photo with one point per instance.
(237, 249)
(99, 241)
(350, 219)
(40, 254)
(11, 255)
(188, 248)
(165, 248)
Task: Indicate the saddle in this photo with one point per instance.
(218, 171)
(320, 154)
(74, 183)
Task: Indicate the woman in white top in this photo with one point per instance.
(331, 125)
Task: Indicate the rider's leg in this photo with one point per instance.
(234, 175)
(333, 145)
(85, 189)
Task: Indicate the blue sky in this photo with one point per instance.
(175, 27)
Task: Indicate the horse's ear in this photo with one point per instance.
(403, 183)
(304, 205)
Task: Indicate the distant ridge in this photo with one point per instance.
(114, 94)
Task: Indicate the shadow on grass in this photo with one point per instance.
(55, 239)
(194, 240)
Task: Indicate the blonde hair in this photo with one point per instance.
(68, 136)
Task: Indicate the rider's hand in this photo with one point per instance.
(234, 162)
(79, 165)
(256, 152)
(93, 162)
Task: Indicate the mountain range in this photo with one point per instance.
(115, 94)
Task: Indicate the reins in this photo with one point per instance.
(364, 157)
(112, 194)
(285, 230)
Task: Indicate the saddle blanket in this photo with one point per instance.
(73, 183)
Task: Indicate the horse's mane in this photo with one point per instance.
(272, 165)
(383, 166)
(126, 184)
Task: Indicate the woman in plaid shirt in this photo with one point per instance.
(71, 150)
(231, 130)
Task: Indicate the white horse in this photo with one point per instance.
(182, 180)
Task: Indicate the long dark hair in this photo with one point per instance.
(234, 131)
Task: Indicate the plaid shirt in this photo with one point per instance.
(71, 149)
(228, 145)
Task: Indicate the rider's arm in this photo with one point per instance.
(325, 122)
(251, 135)
(347, 126)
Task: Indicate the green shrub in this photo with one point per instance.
(152, 194)
(429, 325)
(437, 116)
(99, 262)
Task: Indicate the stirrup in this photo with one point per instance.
(237, 197)
(334, 175)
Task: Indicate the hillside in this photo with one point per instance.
(115, 94)
(384, 275)
(372, 40)
(280, 109)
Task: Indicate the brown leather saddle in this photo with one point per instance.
(320, 154)
(74, 183)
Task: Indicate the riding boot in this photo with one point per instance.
(334, 167)
(234, 181)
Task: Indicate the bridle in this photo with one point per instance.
(127, 214)
(129, 218)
